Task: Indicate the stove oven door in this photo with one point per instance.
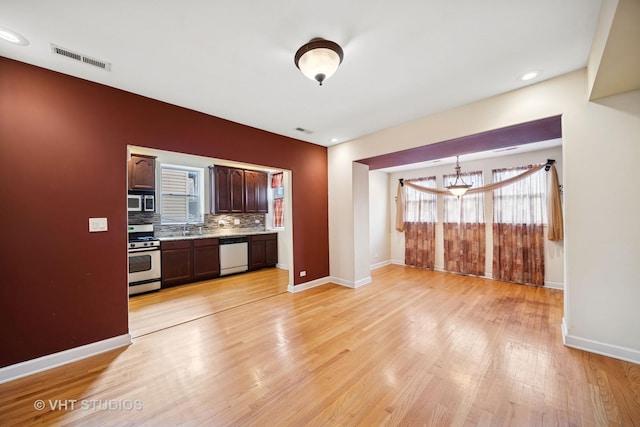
(144, 270)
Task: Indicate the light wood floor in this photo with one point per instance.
(411, 348)
(169, 307)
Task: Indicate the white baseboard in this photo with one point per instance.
(322, 281)
(610, 350)
(22, 369)
(397, 262)
(350, 283)
(379, 264)
(282, 266)
(554, 285)
(308, 285)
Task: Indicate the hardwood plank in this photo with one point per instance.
(413, 347)
(168, 307)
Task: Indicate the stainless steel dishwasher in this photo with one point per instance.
(234, 255)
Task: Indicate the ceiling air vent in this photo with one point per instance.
(303, 130)
(505, 149)
(58, 50)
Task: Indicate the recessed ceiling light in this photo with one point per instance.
(13, 37)
(334, 139)
(530, 75)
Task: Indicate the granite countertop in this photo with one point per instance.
(229, 233)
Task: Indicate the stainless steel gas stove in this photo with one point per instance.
(144, 259)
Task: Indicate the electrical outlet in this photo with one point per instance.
(236, 222)
(97, 224)
(303, 273)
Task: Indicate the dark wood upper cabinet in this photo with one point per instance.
(142, 172)
(239, 191)
(255, 192)
(228, 189)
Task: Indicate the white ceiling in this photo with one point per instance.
(234, 59)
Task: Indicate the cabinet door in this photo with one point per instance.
(261, 193)
(257, 253)
(222, 187)
(255, 185)
(142, 172)
(237, 190)
(177, 263)
(206, 258)
(271, 248)
(228, 190)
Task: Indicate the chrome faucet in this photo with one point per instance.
(184, 229)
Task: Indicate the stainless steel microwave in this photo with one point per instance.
(141, 203)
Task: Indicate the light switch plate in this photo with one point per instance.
(97, 224)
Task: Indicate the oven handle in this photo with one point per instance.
(147, 249)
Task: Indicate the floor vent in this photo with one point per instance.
(80, 57)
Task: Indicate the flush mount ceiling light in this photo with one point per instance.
(319, 59)
(13, 37)
(459, 187)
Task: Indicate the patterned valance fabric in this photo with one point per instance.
(553, 202)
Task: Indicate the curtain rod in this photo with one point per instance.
(550, 162)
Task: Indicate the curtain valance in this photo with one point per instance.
(554, 206)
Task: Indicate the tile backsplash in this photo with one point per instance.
(247, 222)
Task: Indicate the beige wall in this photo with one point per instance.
(600, 149)
(380, 224)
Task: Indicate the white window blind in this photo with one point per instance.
(182, 195)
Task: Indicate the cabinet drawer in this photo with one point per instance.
(260, 237)
(176, 244)
(206, 242)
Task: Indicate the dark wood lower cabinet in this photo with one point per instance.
(177, 262)
(263, 251)
(206, 258)
(185, 261)
(190, 260)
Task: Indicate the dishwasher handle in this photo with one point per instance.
(232, 240)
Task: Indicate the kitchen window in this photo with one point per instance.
(181, 194)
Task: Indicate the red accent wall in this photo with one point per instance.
(63, 148)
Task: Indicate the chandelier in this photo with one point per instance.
(459, 187)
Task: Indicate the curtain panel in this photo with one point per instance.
(278, 199)
(464, 248)
(420, 217)
(464, 228)
(518, 253)
(555, 231)
(420, 244)
(519, 215)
